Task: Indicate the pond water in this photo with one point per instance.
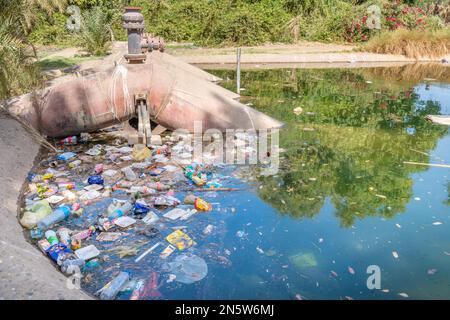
(343, 199)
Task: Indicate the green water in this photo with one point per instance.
(344, 199)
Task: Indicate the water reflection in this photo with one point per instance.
(348, 145)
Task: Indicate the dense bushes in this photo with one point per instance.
(250, 22)
(18, 70)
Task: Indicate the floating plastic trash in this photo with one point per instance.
(188, 268)
(95, 180)
(302, 260)
(66, 156)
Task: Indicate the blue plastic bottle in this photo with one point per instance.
(58, 215)
(119, 212)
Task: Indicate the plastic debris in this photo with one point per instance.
(111, 289)
(66, 156)
(188, 268)
(35, 213)
(87, 253)
(141, 152)
(180, 240)
(124, 222)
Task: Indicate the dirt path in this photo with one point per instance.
(301, 55)
(301, 47)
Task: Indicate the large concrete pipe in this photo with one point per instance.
(175, 99)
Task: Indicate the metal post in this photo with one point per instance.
(238, 71)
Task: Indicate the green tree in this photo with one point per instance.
(18, 71)
(96, 31)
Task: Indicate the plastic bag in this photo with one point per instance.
(188, 268)
(141, 152)
(35, 213)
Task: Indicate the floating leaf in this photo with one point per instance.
(302, 260)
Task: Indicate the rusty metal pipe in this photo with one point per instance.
(95, 101)
(133, 22)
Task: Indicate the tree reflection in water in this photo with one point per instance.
(350, 141)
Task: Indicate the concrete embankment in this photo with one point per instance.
(303, 60)
(25, 273)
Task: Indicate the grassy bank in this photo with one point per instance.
(411, 43)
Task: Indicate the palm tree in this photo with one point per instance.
(18, 70)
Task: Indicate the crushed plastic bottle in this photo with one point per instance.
(66, 156)
(129, 174)
(119, 212)
(111, 289)
(58, 215)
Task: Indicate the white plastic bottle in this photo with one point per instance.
(58, 215)
(110, 291)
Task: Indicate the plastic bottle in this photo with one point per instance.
(58, 215)
(129, 174)
(83, 235)
(65, 156)
(142, 189)
(51, 237)
(119, 212)
(69, 141)
(158, 186)
(98, 168)
(110, 291)
(198, 203)
(75, 164)
(71, 266)
(64, 235)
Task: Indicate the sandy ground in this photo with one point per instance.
(300, 47)
(300, 55)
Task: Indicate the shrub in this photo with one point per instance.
(96, 31)
(412, 43)
(327, 22)
(52, 30)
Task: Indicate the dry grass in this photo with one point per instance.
(413, 44)
(410, 73)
